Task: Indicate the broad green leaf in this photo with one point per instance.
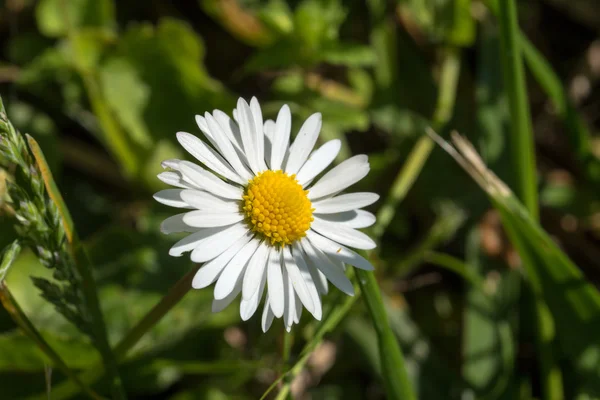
(54, 17)
(127, 95)
(318, 21)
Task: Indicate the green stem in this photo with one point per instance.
(522, 140)
(332, 320)
(392, 361)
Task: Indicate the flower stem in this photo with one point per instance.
(393, 368)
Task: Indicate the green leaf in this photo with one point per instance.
(54, 16)
(351, 55)
(318, 21)
(127, 95)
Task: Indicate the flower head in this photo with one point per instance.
(259, 221)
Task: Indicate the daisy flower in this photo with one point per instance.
(257, 217)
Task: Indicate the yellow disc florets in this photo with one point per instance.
(277, 207)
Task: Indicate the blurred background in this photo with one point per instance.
(104, 85)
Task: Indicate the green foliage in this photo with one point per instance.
(472, 296)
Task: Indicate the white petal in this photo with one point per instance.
(333, 273)
(172, 198)
(318, 161)
(290, 301)
(259, 135)
(226, 148)
(174, 178)
(230, 128)
(248, 307)
(207, 201)
(212, 269)
(190, 242)
(345, 202)
(297, 280)
(336, 250)
(275, 282)
(269, 129)
(339, 178)
(175, 224)
(344, 235)
(281, 137)
(219, 305)
(209, 219)
(308, 279)
(255, 270)
(318, 278)
(267, 316)
(233, 272)
(304, 143)
(209, 181)
(214, 245)
(247, 130)
(298, 313)
(208, 156)
(353, 219)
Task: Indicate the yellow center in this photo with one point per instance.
(277, 207)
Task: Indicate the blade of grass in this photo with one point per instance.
(523, 153)
(84, 267)
(393, 367)
(522, 141)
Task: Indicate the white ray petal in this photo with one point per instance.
(356, 219)
(212, 246)
(333, 273)
(304, 143)
(344, 235)
(336, 250)
(298, 313)
(248, 307)
(345, 202)
(255, 270)
(290, 301)
(226, 148)
(308, 279)
(210, 219)
(259, 135)
(297, 280)
(230, 128)
(171, 198)
(219, 305)
(275, 283)
(190, 242)
(247, 131)
(208, 156)
(176, 224)
(318, 278)
(235, 269)
(269, 129)
(212, 269)
(267, 315)
(174, 178)
(318, 161)
(209, 181)
(206, 201)
(281, 138)
(339, 178)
